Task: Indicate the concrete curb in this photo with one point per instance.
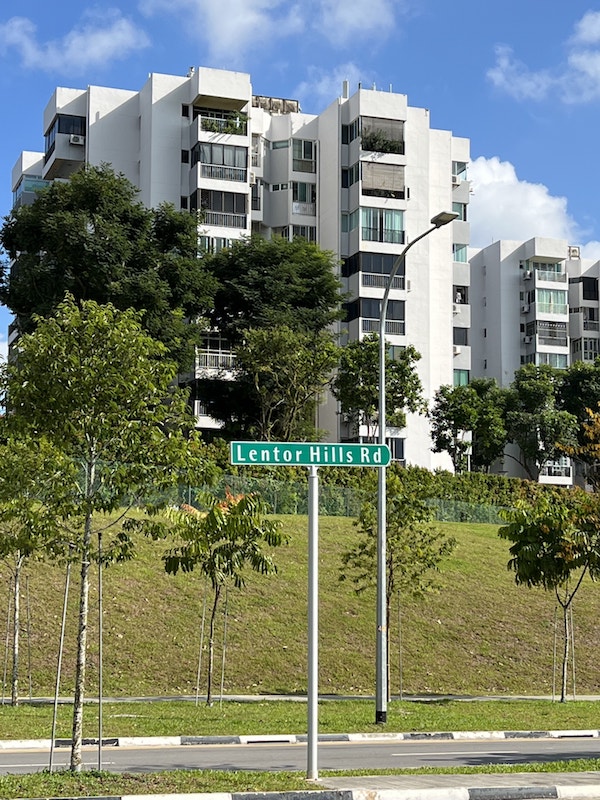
(562, 792)
(176, 741)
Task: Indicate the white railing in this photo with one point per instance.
(392, 327)
(222, 173)
(214, 360)
(224, 220)
(375, 281)
(307, 209)
(548, 275)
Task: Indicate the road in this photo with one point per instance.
(371, 755)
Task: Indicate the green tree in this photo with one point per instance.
(555, 544)
(90, 237)
(32, 487)
(469, 419)
(579, 394)
(533, 419)
(222, 544)
(282, 373)
(356, 385)
(269, 283)
(415, 547)
(453, 417)
(100, 390)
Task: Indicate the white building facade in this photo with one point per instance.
(362, 179)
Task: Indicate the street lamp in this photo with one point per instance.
(381, 692)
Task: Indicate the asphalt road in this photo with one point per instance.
(331, 755)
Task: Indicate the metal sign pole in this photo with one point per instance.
(312, 772)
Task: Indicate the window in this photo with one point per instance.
(350, 175)
(557, 360)
(459, 253)
(308, 232)
(183, 203)
(550, 333)
(590, 288)
(460, 295)
(461, 377)
(185, 110)
(551, 301)
(304, 155)
(396, 446)
(383, 180)
(461, 210)
(370, 308)
(304, 192)
(459, 170)
(460, 336)
(185, 156)
(255, 197)
(383, 225)
(280, 144)
(227, 209)
(221, 161)
(382, 135)
(63, 123)
(350, 132)
(349, 221)
(214, 244)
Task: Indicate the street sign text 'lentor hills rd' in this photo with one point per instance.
(309, 454)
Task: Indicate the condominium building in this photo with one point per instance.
(534, 302)
(363, 178)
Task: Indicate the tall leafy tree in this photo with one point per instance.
(534, 420)
(415, 547)
(268, 283)
(223, 545)
(92, 238)
(554, 545)
(356, 385)
(489, 436)
(100, 390)
(33, 487)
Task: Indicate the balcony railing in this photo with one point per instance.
(304, 165)
(375, 281)
(382, 235)
(221, 173)
(236, 124)
(306, 209)
(392, 327)
(224, 220)
(556, 471)
(552, 308)
(553, 341)
(548, 275)
(212, 360)
(590, 325)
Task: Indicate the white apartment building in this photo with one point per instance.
(362, 179)
(536, 303)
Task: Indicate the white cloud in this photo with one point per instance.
(575, 81)
(504, 207)
(94, 42)
(229, 28)
(321, 87)
(342, 22)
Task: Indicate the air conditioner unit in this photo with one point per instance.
(527, 339)
(456, 349)
(528, 275)
(75, 138)
(455, 180)
(524, 308)
(252, 178)
(574, 252)
(455, 308)
(408, 286)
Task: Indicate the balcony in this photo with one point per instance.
(392, 327)
(548, 275)
(224, 220)
(305, 209)
(590, 325)
(374, 281)
(379, 234)
(222, 173)
(235, 122)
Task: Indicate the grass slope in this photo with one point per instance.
(479, 634)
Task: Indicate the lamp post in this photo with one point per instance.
(381, 692)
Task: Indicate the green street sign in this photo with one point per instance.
(309, 454)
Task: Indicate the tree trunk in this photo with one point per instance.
(565, 661)
(84, 590)
(16, 626)
(211, 645)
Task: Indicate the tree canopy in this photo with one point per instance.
(90, 237)
(356, 385)
(267, 283)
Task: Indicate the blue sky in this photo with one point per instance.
(520, 79)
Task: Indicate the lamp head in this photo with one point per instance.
(443, 218)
